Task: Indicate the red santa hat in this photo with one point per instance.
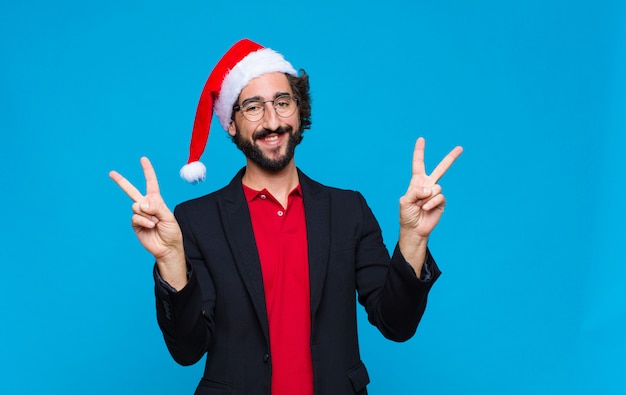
(244, 61)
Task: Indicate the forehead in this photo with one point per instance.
(266, 86)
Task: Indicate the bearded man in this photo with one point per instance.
(260, 276)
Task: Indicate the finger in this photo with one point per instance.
(145, 209)
(139, 221)
(438, 201)
(445, 164)
(418, 157)
(423, 194)
(153, 209)
(126, 186)
(416, 195)
(152, 185)
(434, 191)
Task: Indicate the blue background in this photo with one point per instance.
(531, 244)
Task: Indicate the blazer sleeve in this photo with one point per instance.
(185, 317)
(393, 296)
(403, 298)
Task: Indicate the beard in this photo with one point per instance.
(254, 153)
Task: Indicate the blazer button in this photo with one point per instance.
(266, 358)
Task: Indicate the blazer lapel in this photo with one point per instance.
(316, 208)
(240, 236)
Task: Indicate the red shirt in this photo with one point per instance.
(280, 235)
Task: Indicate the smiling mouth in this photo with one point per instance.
(270, 135)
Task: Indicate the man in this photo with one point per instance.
(261, 275)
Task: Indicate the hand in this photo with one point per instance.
(155, 226)
(422, 205)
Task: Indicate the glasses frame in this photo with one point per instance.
(294, 98)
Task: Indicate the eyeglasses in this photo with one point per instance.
(254, 109)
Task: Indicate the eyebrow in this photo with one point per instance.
(260, 99)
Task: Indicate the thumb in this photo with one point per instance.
(418, 194)
(423, 192)
(154, 208)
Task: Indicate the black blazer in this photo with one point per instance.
(221, 312)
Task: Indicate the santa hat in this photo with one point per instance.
(244, 61)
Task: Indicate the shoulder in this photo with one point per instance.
(315, 191)
(232, 192)
(196, 203)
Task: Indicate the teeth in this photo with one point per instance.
(271, 138)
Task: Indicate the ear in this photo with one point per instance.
(232, 130)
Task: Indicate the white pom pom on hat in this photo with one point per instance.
(193, 172)
(241, 63)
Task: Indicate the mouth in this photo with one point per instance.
(270, 138)
(270, 135)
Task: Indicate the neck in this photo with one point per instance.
(279, 184)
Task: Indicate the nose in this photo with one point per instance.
(270, 119)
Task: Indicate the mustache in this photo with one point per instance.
(266, 132)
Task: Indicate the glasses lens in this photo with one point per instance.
(253, 110)
(285, 106)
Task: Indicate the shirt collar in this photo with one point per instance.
(252, 194)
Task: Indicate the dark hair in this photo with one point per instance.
(300, 88)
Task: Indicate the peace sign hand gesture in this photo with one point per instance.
(422, 205)
(156, 227)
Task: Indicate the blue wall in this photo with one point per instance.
(531, 244)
